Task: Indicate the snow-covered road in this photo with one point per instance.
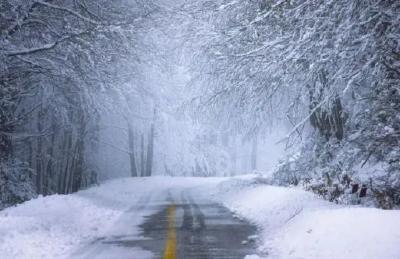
(195, 218)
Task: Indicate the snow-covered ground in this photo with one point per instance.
(297, 224)
(293, 223)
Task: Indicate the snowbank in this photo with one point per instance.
(341, 233)
(297, 224)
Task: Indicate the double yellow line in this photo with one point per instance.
(170, 246)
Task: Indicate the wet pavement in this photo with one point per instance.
(183, 228)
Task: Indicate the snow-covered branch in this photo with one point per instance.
(68, 10)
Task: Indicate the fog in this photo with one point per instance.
(95, 90)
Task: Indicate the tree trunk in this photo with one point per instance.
(234, 156)
(254, 149)
(142, 156)
(150, 152)
(66, 169)
(50, 152)
(78, 168)
(39, 156)
(131, 139)
(77, 173)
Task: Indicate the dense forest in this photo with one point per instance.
(328, 68)
(59, 73)
(92, 90)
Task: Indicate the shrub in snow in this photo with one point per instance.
(15, 184)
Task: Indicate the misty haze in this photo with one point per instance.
(199, 129)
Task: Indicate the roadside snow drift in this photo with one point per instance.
(297, 224)
(341, 233)
(293, 223)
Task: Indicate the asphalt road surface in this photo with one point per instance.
(182, 226)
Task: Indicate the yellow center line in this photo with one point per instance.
(170, 246)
